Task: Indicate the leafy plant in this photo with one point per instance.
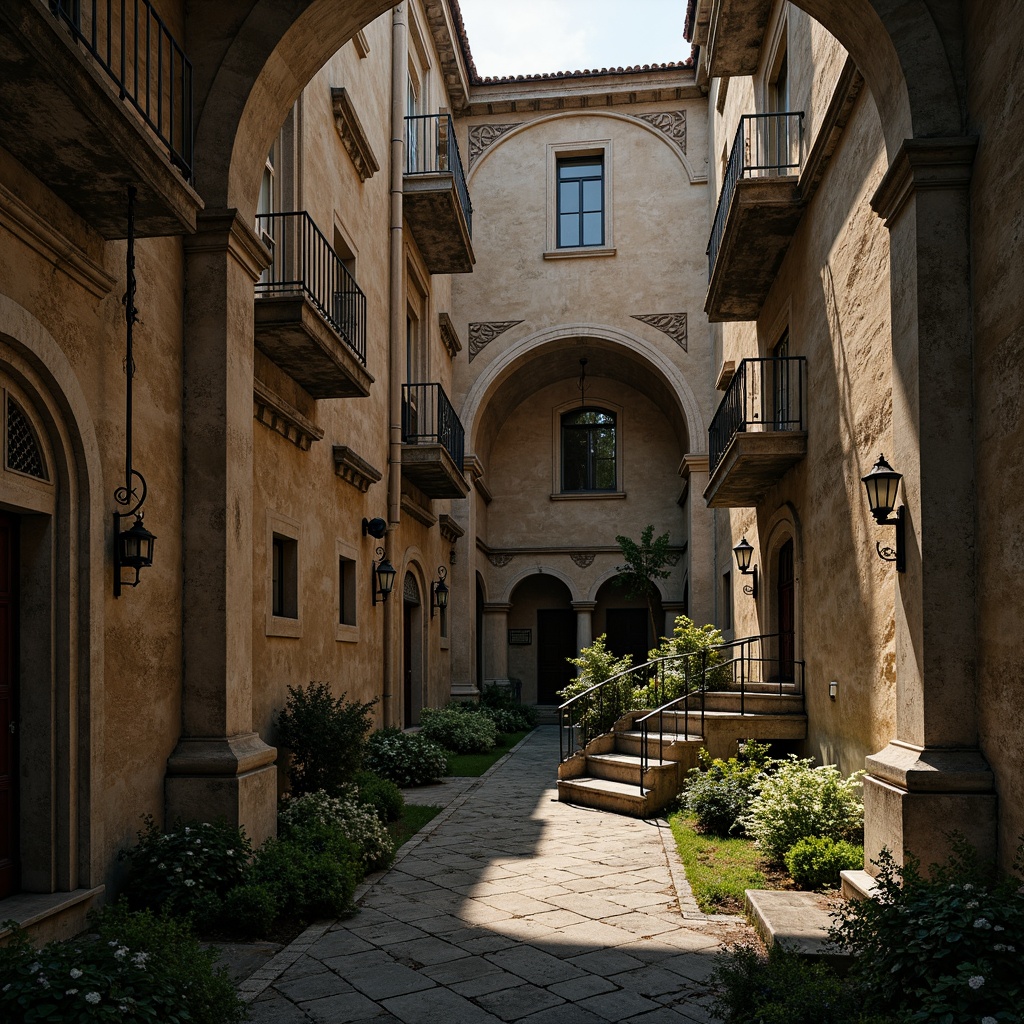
(719, 792)
(597, 712)
(357, 822)
(703, 668)
(326, 736)
(381, 794)
(494, 699)
(407, 759)
(645, 563)
(797, 800)
(460, 731)
(945, 946)
(814, 862)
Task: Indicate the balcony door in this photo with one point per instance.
(786, 603)
(781, 417)
(9, 844)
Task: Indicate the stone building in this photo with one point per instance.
(366, 280)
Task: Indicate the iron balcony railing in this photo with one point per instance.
(766, 146)
(130, 41)
(428, 418)
(764, 395)
(431, 148)
(304, 263)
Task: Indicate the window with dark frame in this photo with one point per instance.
(727, 600)
(284, 577)
(580, 202)
(346, 592)
(588, 450)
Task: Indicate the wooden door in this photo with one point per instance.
(627, 632)
(787, 611)
(407, 626)
(8, 706)
(556, 641)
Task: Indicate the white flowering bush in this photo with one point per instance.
(407, 759)
(460, 731)
(796, 800)
(358, 821)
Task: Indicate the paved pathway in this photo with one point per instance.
(509, 907)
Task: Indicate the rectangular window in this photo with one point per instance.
(580, 202)
(727, 600)
(284, 577)
(346, 592)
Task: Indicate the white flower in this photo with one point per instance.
(161, 866)
(140, 959)
(42, 981)
(92, 997)
(999, 928)
(75, 973)
(967, 887)
(982, 922)
(975, 981)
(989, 1020)
(999, 948)
(33, 967)
(121, 952)
(190, 882)
(971, 904)
(231, 853)
(178, 869)
(71, 992)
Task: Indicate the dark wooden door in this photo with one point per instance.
(407, 612)
(627, 632)
(556, 641)
(8, 706)
(787, 611)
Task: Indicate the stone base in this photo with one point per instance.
(231, 777)
(914, 798)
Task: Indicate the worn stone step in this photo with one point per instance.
(624, 767)
(605, 795)
(797, 921)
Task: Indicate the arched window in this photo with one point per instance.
(588, 450)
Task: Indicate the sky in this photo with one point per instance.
(527, 37)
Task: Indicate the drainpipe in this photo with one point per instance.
(396, 347)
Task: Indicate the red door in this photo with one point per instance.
(787, 611)
(8, 706)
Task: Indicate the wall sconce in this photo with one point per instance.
(744, 551)
(883, 485)
(832, 687)
(439, 591)
(382, 576)
(375, 528)
(133, 548)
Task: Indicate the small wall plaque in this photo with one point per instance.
(520, 637)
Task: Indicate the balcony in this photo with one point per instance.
(758, 211)
(310, 313)
(758, 432)
(735, 34)
(96, 95)
(433, 442)
(436, 197)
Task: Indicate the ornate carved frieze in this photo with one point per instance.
(353, 469)
(499, 560)
(352, 135)
(672, 560)
(449, 336)
(274, 412)
(482, 334)
(671, 123)
(672, 324)
(483, 135)
(584, 559)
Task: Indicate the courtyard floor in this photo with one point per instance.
(509, 907)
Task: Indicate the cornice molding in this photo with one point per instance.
(449, 335)
(354, 469)
(353, 137)
(417, 511)
(283, 418)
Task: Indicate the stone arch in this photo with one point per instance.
(609, 574)
(784, 525)
(539, 570)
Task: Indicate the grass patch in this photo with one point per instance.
(414, 817)
(474, 765)
(718, 869)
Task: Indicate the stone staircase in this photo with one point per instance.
(606, 773)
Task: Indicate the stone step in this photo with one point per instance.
(797, 921)
(624, 767)
(605, 795)
(674, 746)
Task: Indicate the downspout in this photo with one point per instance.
(396, 347)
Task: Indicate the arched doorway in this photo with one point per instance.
(9, 841)
(412, 651)
(542, 634)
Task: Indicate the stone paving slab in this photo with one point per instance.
(509, 907)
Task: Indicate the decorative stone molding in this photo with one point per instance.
(361, 44)
(482, 334)
(672, 560)
(273, 411)
(449, 335)
(353, 469)
(672, 324)
(450, 530)
(346, 120)
(671, 123)
(499, 559)
(417, 511)
(483, 135)
(584, 559)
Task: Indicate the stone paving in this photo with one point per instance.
(510, 907)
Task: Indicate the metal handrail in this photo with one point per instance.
(133, 45)
(765, 146)
(764, 394)
(428, 417)
(432, 148)
(304, 262)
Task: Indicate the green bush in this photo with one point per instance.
(718, 792)
(942, 947)
(407, 759)
(135, 966)
(461, 732)
(688, 670)
(514, 717)
(815, 861)
(326, 736)
(187, 871)
(596, 713)
(796, 800)
(381, 794)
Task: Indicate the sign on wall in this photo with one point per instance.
(520, 637)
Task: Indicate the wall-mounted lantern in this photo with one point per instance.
(382, 576)
(744, 551)
(439, 591)
(883, 486)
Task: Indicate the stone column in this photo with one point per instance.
(496, 641)
(701, 542)
(584, 624)
(932, 776)
(220, 767)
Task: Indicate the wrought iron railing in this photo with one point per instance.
(304, 263)
(130, 41)
(766, 146)
(764, 394)
(431, 148)
(429, 418)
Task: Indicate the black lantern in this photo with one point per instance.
(439, 591)
(744, 552)
(134, 550)
(382, 576)
(883, 487)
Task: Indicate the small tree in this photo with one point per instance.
(645, 563)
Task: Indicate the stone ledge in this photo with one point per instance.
(29, 909)
(796, 921)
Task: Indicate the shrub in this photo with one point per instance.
(461, 732)
(381, 794)
(685, 673)
(596, 714)
(136, 967)
(815, 861)
(500, 699)
(326, 737)
(187, 871)
(407, 759)
(797, 800)
(718, 792)
(942, 947)
(356, 821)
